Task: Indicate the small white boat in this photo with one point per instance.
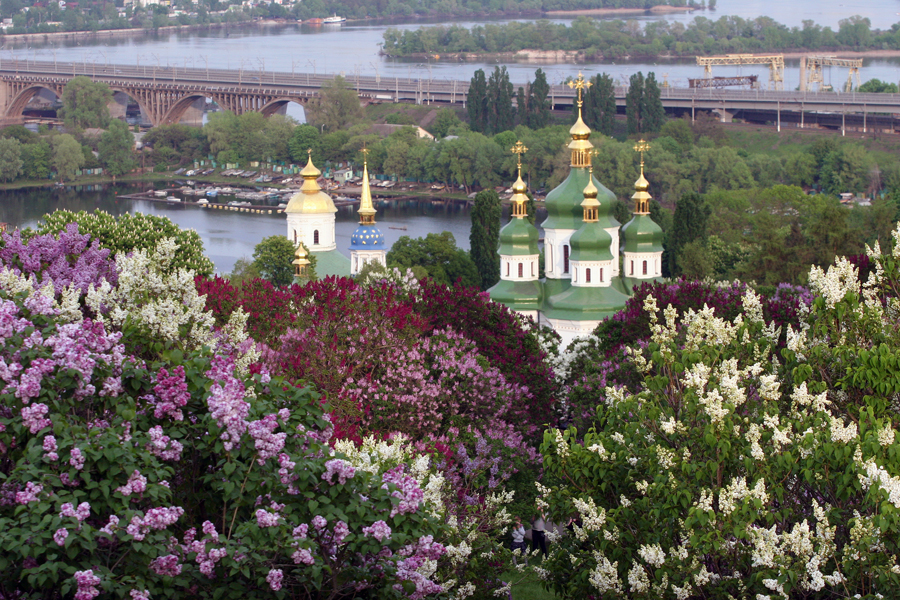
(173, 199)
(202, 201)
(160, 193)
(333, 20)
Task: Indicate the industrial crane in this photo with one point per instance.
(811, 71)
(774, 61)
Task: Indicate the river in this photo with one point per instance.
(353, 48)
(228, 236)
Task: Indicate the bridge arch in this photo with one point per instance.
(17, 105)
(276, 104)
(180, 106)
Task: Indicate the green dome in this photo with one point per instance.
(585, 303)
(518, 238)
(517, 295)
(642, 234)
(590, 243)
(564, 210)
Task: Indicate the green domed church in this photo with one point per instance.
(582, 251)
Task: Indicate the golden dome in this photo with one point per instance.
(519, 186)
(310, 199)
(642, 185)
(580, 130)
(590, 194)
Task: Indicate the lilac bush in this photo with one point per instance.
(140, 465)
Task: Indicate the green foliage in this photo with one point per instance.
(484, 239)
(190, 143)
(537, 103)
(337, 106)
(688, 225)
(272, 258)
(633, 101)
(477, 103)
(10, 158)
(249, 137)
(876, 86)
(117, 148)
(499, 98)
(599, 108)
(68, 156)
(438, 255)
(36, 159)
(130, 232)
(303, 139)
(85, 103)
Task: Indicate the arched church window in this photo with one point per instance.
(565, 258)
(587, 276)
(316, 238)
(521, 268)
(645, 267)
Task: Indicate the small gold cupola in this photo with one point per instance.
(310, 199)
(580, 132)
(641, 197)
(590, 203)
(300, 262)
(366, 208)
(519, 197)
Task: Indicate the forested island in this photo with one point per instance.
(596, 39)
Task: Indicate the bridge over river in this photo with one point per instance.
(165, 93)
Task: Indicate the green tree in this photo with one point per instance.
(688, 225)
(337, 106)
(538, 103)
(85, 103)
(68, 156)
(477, 102)
(653, 115)
(117, 148)
(272, 259)
(484, 238)
(303, 139)
(876, 86)
(438, 255)
(36, 159)
(500, 96)
(634, 100)
(599, 109)
(10, 159)
(445, 122)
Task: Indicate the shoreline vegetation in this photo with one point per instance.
(589, 39)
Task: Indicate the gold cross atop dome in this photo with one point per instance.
(519, 149)
(642, 147)
(365, 152)
(579, 84)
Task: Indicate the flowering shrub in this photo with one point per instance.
(174, 471)
(130, 232)
(739, 467)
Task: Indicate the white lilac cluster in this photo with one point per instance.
(840, 279)
(167, 304)
(652, 554)
(605, 575)
(593, 517)
(888, 484)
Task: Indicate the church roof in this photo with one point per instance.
(331, 263)
(518, 238)
(310, 199)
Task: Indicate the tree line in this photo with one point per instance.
(602, 38)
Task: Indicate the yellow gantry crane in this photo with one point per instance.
(811, 71)
(775, 63)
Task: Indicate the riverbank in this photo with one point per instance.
(29, 38)
(621, 12)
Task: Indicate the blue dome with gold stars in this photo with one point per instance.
(367, 237)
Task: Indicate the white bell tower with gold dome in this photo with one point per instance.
(310, 213)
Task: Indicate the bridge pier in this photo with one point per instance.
(724, 115)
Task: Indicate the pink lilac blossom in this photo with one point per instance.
(266, 519)
(29, 385)
(60, 536)
(76, 459)
(33, 417)
(169, 565)
(137, 484)
(82, 347)
(339, 467)
(274, 579)
(210, 530)
(341, 531)
(408, 491)
(155, 518)
(140, 594)
(408, 568)
(67, 481)
(226, 401)
(163, 446)
(172, 394)
(86, 582)
(300, 531)
(50, 449)
(30, 494)
(111, 525)
(303, 556)
(268, 443)
(208, 561)
(285, 473)
(319, 522)
(81, 513)
(378, 530)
